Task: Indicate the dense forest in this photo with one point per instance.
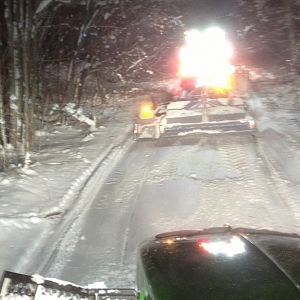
(55, 52)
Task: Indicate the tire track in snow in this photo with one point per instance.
(74, 235)
(49, 254)
(249, 198)
(144, 176)
(177, 185)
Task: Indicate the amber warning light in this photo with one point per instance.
(146, 111)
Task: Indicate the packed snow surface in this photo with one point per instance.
(168, 185)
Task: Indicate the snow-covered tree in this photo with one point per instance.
(19, 78)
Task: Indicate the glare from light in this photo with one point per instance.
(229, 248)
(206, 56)
(146, 111)
(169, 242)
(251, 123)
(215, 32)
(193, 36)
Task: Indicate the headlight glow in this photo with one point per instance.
(206, 56)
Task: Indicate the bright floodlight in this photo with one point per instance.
(206, 57)
(215, 33)
(193, 37)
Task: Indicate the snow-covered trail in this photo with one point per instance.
(188, 183)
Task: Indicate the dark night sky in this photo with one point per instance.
(208, 12)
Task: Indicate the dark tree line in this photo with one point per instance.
(269, 32)
(62, 51)
(18, 77)
(50, 47)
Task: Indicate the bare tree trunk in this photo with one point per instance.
(100, 89)
(71, 81)
(3, 86)
(75, 75)
(27, 96)
(12, 107)
(19, 17)
(2, 124)
(79, 86)
(291, 38)
(16, 103)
